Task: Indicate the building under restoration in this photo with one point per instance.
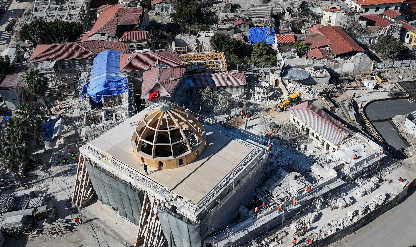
(195, 179)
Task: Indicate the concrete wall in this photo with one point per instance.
(239, 193)
(411, 125)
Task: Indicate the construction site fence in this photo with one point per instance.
(396, 64)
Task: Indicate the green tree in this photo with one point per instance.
(16, 139)
(157, 39)
(186, 12)
(37, 85)
(391, 48)
(263, 55)
(207, 96)
(301, 47)
(234, 50)
(5, 67)
(43, 32)
(146, 4)
(223, 101)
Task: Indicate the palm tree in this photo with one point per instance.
(37, 85)
(16, 147)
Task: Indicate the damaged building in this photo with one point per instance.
(195, 180)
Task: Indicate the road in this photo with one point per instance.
(395, 228)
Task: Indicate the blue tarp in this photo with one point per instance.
(106, 79)
(261, 34)
(48, 128)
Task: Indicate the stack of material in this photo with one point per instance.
(6, 202)
(17, 222)
(59, 227)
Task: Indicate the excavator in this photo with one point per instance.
(294, 99)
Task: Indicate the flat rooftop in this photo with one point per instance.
(193, 181)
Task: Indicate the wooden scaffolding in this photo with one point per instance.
(214, 61)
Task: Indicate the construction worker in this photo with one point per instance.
(263, 205)
(294, 241)
(305, 228)
(309, 188)
(256, 209)
(294, 201)
(309, 241)
(279, 208)
(355, 156)
(145, 169)
(295, 176)
(400, 179)
(77, 220)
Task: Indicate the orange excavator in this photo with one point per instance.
(294, 99)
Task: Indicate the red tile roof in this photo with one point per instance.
(372, 29)
(159, 1)
(391, 13)
(315, 28)
(282, 39)
(134, 35)
(219, 80)
(327, 126)
(340, 41)
(75, 50)
(317, 41)
(407, 26)
(317, 54)
(241, 22)
(147, 60)
(113, 16)
(14, 79)
(375, 2)
(162, 79)
(376, 20)
(99, 3)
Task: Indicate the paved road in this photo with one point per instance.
(385, 109)
(395, 228)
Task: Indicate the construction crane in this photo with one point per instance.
(294, 99)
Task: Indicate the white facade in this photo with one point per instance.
(373, 9)
(410, 122)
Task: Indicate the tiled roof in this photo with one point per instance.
(317, 54)
(332, 10)
(113, 16)
(376, 20)
(219, 80)
(391, 13)
(328, 127)
(159, 1)
(14, 79)
(376, 2)
(340, 41)
(162, 79)
(75, 50)
(239, 22)
(282, 39)
(315, 28)
(147, 60)
(317, 41)
(134, 35)
(407, 26)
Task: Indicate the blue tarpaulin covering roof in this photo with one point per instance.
(261, 34)
(106, 79)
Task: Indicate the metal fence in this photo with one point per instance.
(396, 64)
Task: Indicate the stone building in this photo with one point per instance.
(321, 127)
(374, 7)
(196, 177)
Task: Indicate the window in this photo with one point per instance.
(180, 162)
(366, 10)
(377, 9)
(396, 8)
(387, 8)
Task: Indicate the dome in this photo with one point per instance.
(168, 137)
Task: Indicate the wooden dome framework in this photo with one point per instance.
(168, 137)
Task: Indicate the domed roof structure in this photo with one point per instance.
(168, 137)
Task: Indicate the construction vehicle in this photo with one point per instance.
(294, 99)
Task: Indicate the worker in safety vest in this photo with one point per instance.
(279, 208)
(294, 241)
(309, 241)
(309, 188)
(400, 179)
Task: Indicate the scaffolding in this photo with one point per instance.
(213, 61)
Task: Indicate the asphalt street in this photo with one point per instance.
(386, 109)
(395, 228)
